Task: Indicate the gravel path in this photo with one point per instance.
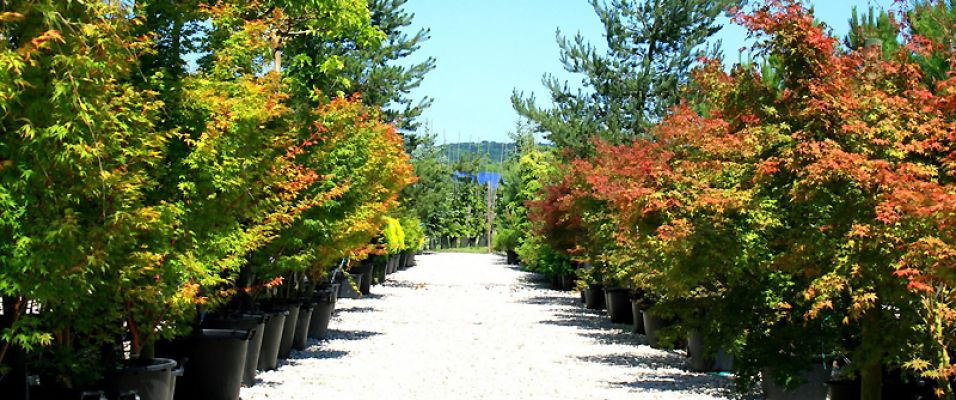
(466, 326)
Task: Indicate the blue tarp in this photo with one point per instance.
(482, 178)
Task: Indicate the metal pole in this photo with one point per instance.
(490, 213)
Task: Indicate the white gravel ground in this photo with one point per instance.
(466, 326)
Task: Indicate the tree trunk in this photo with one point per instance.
(277, 52)
(871, 373)
(871, 382)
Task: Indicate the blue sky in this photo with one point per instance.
(485, 49)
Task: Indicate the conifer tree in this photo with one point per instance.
(652, 46)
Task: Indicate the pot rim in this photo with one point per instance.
(155, 365)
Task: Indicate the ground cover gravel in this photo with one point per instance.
(467, 326)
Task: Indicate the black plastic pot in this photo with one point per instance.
(14, 382)
(288, 331)
(346, 291)
(365, 269)
(637, 317)
(594, 297)
(512, 257)
(583, 300)
(554, 282)
(152, 379)
(321, 315)
(567, 281)
(254, 322)
(379, 272)
(652, 324)
(271, 339)
(814, 385)
(42, 392)
(619, 306)
(392, 264)
(700, 361)
(299, 342)
(365, 285)
(45, 391)
(846, 390)
(334, 292)
(214, 368)
(894, 387)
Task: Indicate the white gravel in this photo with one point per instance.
(466, 326)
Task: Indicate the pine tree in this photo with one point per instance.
(934, 20)
(876, 27)
(652, 46)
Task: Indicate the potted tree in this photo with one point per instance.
(76, 169)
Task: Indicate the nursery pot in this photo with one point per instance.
(379, 272)
(250, 322)
(288, 330)
(894, 388)
(366, 286)
(345, 289)
(333, 292)
(321, 314)
(512, 257)
(652, 324)
(271, 338)
(365, 269)
(555, 282)
(302, 327)
(619, 306)
(151, 379)
(44, 392)
(567, 281)
(392, 264)
(814, 385)
(14, 382)
(410, 262)
(700, 361)
(594, 297)
(846, 390)
(583, 299)
(214, 368)
(637, 317)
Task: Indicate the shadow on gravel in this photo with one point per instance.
(665, 384)
(372, 296)
(532, 280)
(579, 317)
(403, 284)
(317, 353)
(626, 337)
(335, 334)
(355, 309)
(501, 260)
(549, 299)
(648, 361)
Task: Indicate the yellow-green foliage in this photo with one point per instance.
(414, 233)
(394, 235)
